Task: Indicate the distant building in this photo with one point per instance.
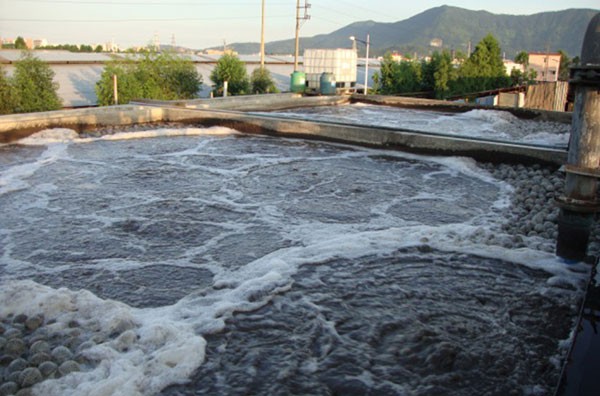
(40, 43)
(546, 64)
(436, 42)
(397, 57)
(111, 47)
(511, 65)
(220, 52)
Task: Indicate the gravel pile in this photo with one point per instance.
(31, 352)
(111, 130)
(533, 211)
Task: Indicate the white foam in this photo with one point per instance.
(15, 177)
(168, 132)
(50, 136)
(488, 124)
(162, 346)
(150, 353)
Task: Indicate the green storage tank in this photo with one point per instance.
(298, 82)
(327, 84)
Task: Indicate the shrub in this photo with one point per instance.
(8, 94)
(262, 82)
(33, 82)
(231, 69)
(162, 76)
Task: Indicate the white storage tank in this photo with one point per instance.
(341, 62)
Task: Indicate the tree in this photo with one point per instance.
(85, 48)
(439, 74)
(484, 70)
(98, 48)
(155, 76)
(33, 80)
(262, 82)
(231, 69)
(8, 94)
(128, 85)
(565, 63)
(20, 43)
(398, 77)
(522, 58)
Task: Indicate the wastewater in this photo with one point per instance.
(182, 260)
(480, 123)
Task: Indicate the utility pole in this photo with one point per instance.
(298, 25)
(262, 37)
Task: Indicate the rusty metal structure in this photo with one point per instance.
(580, 204)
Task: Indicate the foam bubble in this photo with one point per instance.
(49, 136)
(138, 353)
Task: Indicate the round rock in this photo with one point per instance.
(14, 347)
(17, 365)
(67, 367)
(48, 369)
(8, 388)
(30, 376)
(39, 358)
(61, 354)
(12, 333)
(34, 322)
(20, 318)
(39, 346)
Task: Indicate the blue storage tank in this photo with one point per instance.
(298, 82)
(327, 84)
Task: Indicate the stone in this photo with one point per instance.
(34, 322)
(61, 354)
(48, 369)
(21, 318)
(39, 346)
(12, 333)
(30, 376)
(14, 347)
(39, 358)
(8, 388)
(17, 365)
(68, 367)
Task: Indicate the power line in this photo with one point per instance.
(143, 3)
(136, 20)
(371, 10)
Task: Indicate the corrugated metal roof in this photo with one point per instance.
(57, 56)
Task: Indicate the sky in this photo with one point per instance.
(200, 24)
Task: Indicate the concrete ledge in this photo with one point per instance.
(405, 140)
(458, 107)
(252, 102)
(14, 127)
(17, 126)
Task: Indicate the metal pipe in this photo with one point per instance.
(579, 203)
(297, 35)
(262, 36)
(367, 66)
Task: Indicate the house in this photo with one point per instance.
(511, 65)
(546, 64)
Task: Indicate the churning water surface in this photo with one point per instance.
(487, 124)
(204, 261)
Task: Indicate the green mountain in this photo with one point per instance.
(456, 27)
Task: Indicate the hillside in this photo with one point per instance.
(456, 27)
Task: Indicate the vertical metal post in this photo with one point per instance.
(297, 35)
(579, 204)
(115, 89)
(367, 66)
(225, 87)
(262, 37)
